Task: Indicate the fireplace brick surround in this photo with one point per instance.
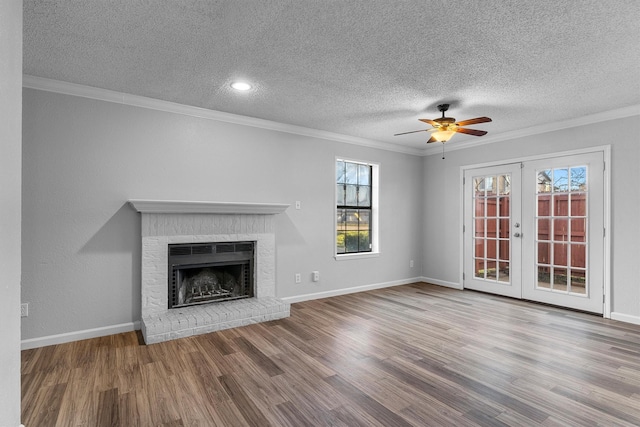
(170, 222)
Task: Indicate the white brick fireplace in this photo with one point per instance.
(174, 222)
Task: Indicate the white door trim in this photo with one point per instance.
(606, 153)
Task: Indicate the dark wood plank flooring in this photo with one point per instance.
(414, 355)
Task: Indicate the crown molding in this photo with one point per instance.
(66, 88)
(619, 113)
(57, 86)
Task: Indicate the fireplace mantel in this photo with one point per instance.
(181, 206)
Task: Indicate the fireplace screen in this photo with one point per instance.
(210, 272)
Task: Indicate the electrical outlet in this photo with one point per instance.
(298, 278)
(411, 264)
(298, 204)
(316, 276)
(24, 309)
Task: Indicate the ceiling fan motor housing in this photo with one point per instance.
(445, 121)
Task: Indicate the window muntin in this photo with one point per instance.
(354, 207)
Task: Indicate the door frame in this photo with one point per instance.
(606, 262)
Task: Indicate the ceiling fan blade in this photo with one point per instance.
(471, 131)
(431, 122)
(413, 131)
(432, 139)
(474, 121)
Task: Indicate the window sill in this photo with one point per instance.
(347, 257)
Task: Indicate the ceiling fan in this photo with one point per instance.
(445, 127)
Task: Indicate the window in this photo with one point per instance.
(356, 213)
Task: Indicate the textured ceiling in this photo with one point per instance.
(366, 68)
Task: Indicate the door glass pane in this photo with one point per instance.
(559, 279)
(503, 228)
(543, 229)
(492, 273)
(578, 281)
(544, 205)
(560, 254)
(479, 268)
(561, 229)
(544, 277)
(492, 226)
(479, 248)
(491, 249)
(579, 256)
(478, 186)
(560, 180)
(504, 206)
(544, 181)
(560, 205)
(479, 228)
(492, 206)
(503, 250)
(479, 206)
(503, 272)
(544, 253)
(504, 184)
(490, 185)
(578, 204)
(579, 178)
(578, 230)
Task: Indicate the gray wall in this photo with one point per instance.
(10, 199)
(83, 159)
(442, 201)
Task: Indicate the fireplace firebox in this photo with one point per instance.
(202, 273)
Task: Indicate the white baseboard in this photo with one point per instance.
(134, 326)
(345, 291)
(625, 318)
(79, 335)
(439, 282)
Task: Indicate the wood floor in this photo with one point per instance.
(414, 355)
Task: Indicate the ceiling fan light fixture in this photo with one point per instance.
(443, 135)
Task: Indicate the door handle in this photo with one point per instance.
(517, 235)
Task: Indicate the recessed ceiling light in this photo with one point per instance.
(241, 86)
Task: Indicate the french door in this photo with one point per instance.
(534, 230)
(492, 229)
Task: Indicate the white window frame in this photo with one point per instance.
(375, 210)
